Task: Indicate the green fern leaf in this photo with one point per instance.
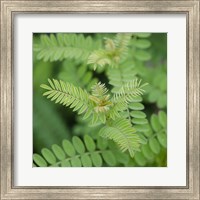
(142, 35)
(69, 95)
(140, 159)
(86, 160)
(122, 41)
(102, 144)
(99, 58)
(122, 132)
(58, 151)
(148, 154)
(116, 110)
(142, 55)
(162, 118)
(109, 158)
(39, 160)
(138, 114)
(49, 156)
(89, 143)
(154, 145)
(114, 52)
(142, 43)
(129, 91)
(96, 159)
(64, 45)
(68, 148)
(162, 138)
(76, 162)
(78, 145)
(65, 163)
(121, 75)
(99, 90)
(155, 123)
(155, 148)
(75, 155)
(139, 121)
(136, 106)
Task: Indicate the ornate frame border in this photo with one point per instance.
(8, 11)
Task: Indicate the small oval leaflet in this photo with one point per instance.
(65, 163)
(109, 158)
(136, 106)
(138, 114)
(96, 159)
(75, 162)
(69, 148)
(154, 145)
(142, 55)
(162, 138)
(140, 159)
(142, 128)
(139, 121)
(162, 101)
(155, 123)
(102, 143)
(89, 143)
(78, 144)
(162, 118)
(48, 155)
(142, 35)
(154, 95)
(39, 160)
(86, 160)
(148, 154)
(60, 154)
(142, 43)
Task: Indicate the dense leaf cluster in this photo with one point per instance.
(117, 84)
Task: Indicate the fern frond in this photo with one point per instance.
(78, 99)
(78, 153)
(69, 95)
(114, 52)
(122, 132)
(115, 111)
(99, 89)
(159, 126)
(155, 148)
(99, 58)
(120, 76)
(129, 91)
(65, 45)
(157, 91)
(140, 45)
(122, 40)
(136, 115)
(109, 44)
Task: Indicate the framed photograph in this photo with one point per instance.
(99, 99)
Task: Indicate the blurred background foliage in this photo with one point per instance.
(53, 122)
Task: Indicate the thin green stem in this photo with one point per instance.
(77, 156)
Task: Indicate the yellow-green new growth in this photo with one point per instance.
(100, 108)
(100, 98)
(113, 53)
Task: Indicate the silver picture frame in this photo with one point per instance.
(8, 11)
